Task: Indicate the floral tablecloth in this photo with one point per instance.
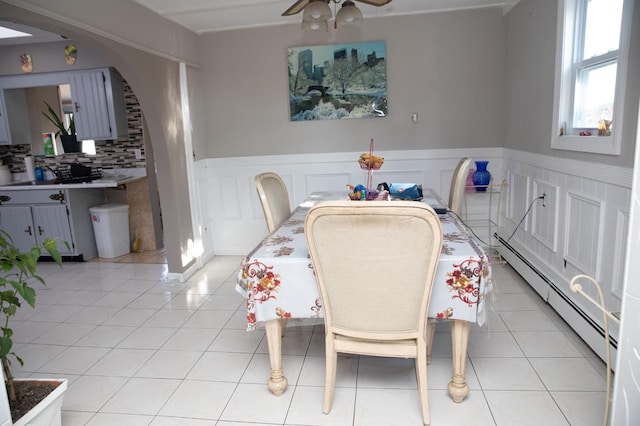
(277, 279)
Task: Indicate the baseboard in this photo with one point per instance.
(590, 331)
(184, 276)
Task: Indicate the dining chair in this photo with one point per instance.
(274, 199)
(458, 183)
(374, 263)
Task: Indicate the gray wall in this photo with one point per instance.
(48, 57)
(530, 72)
(448, 67)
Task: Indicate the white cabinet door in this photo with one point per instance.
(18, 223)
(90, 109)
(53, 222)
(28, 226)
(99, 109)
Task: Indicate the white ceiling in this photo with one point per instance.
(37, 35)
(204, 16)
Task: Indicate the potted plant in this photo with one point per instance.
(67, 135)
(16, 280)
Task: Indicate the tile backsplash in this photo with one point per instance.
(110, 154)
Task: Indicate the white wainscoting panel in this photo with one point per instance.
(518, 198)
(316, 182)
(588, 207)
(544, 214)
(583, 235)
(621, 235)
(232, 210)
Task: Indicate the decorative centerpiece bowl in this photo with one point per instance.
(370, 162)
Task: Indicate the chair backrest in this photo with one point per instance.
(458, 183)
(274, 199)
(375, 263)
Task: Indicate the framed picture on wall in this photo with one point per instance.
(337, 81)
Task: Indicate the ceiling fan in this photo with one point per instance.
(299, 5)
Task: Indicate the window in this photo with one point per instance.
(593, 40)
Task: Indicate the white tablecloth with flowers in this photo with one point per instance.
(278, 282)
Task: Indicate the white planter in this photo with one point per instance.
(48, 411)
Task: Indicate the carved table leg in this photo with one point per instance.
(278, 382)
(458, 388)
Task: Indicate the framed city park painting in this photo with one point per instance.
(338, 81)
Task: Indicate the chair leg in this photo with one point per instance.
(421, 373)
(331, 361)
(431, 330)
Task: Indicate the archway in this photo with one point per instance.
(156, 83)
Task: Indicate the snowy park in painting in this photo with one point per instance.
(338, 81)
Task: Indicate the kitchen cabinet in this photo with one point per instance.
(30, 216)
(30, 225)
(98, 104)
(14, 117)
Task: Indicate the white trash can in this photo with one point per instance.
(111, 229)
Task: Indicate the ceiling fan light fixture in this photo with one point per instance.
(313, 25)
(316, 10)
(348, 13)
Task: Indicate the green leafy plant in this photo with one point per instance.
(18, 274)
(52, 116)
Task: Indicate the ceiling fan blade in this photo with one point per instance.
(375, 2)
(297, 7)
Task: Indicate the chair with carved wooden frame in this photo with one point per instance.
(375, 264)
(456, 197)
(274, 199)
(458, 184)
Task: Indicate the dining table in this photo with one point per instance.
(276, 278)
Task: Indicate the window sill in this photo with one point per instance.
(594, 144)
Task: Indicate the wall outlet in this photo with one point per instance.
(138, 152)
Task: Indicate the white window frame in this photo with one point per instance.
(565, 81)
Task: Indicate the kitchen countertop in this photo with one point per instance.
(107, 181)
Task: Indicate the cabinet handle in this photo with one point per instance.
(77, 107)
(28, 230)
(40, 230)
(58, 197)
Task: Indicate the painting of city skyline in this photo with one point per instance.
(338, 81)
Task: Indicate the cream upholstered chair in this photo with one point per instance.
(274, 199)
(375, 263)
(456, 198)
(458, 183)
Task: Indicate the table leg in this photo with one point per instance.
(458, 388)
(277, 382)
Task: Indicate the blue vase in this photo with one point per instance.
(481, 177)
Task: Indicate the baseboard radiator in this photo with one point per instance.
(579, 320)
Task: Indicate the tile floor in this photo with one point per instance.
(139, 350)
